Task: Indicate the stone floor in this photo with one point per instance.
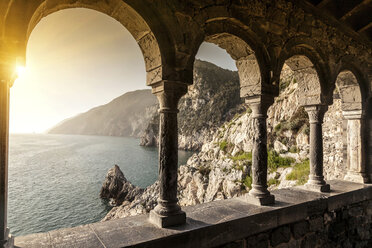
(208, 225)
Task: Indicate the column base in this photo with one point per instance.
(163, 221)
(318, 187)
(9, 242)
(357, 177)
(260, 201)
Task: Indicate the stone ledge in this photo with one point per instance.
(207, 225)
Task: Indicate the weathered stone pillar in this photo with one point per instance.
(168, 212)
(6, 239)
(316, 178)
(356, 144)
(259, 194)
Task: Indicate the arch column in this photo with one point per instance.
(316, 179)
(259, 194)
(6, 240)
(168, 212)
(356, 159)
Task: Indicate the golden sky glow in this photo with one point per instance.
(78, 59)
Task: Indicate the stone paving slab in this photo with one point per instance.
(207, 225)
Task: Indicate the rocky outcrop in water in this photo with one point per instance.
(117, 188)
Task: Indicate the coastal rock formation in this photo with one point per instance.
(213, 99)
(117, 188)
(221, 169)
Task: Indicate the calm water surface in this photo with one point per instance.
(54, 180)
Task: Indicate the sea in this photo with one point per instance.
(55, 180)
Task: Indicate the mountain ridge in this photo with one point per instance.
(125, 115)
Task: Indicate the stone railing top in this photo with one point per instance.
(208, 225)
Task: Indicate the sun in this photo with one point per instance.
(21, 70)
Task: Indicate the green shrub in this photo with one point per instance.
(238, 167)
(293, 149)
(241, 156)
(306, 129)
(278, 127)
(247, 182)
(300, 172)
(283, 85)
(274, 161)
(204, 170)
(223, 145)
(273, 181)
(249, 110)
(298, 120)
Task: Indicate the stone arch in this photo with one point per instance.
(349, 90)
(251, 56)
(353, 90)
(304, 58)
(144, 28)
(352, 70)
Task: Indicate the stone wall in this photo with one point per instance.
(334, 145)
(299, 218)
(349, 226)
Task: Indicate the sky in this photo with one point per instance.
(78, 59)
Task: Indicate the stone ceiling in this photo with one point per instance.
(357, 14)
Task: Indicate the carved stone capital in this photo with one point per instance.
(259, 105)
(316, 113)
(168, 94)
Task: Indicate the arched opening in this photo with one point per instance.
(353, 163)
(67, 75)
(300, 97)
(224, 162)
(19, 30)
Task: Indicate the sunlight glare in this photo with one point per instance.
(21, 70)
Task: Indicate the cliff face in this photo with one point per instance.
(222, 168)
(211, 100)
(126, 115)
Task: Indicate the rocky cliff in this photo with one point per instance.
(211, 100)
(222, 168)
(127, 115)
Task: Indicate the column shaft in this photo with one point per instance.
(168, 212)
(316, 152)
(316, 178)
(168, 163)
(259, 159)
(259, 194)
(4, 141)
